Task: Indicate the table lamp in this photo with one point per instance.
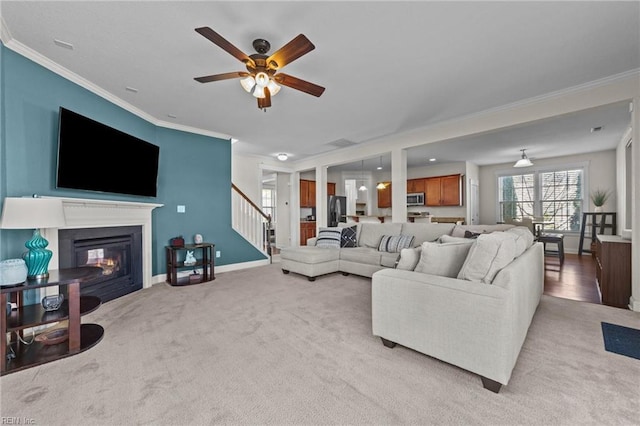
(37, 213)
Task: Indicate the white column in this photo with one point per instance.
(321, 196)
(294, 205)
(634, 303)
(398, 185)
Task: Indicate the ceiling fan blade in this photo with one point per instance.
(290, 52)
(221, 42)
(218, 77)
(298, 84)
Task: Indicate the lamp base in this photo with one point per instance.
(38, 257)
(38, 278)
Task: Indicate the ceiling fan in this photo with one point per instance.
(262, 78)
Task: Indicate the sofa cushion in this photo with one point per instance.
(442, 259)
(458, 230)
(409, 258)
(371, 233)
(329, 237)
(309, 254)
(489, 254)
(388, 260)
(524, 238)
(395, 243)
(426, 231)
(450, 239)
(348, 237)
(361, 255)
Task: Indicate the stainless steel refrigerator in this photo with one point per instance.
(336, 210)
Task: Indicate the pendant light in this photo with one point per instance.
(362, 187)
(524, 161)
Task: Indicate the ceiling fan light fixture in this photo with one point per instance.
(248, 83)
(282, 157)
(273, 87)
(258, 92)
(262, 79)
(524, 161)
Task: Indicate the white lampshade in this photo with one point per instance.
(248, 83)
(524, 161)
(31, 213)
(262, 79)
(259, 92)
(273, 87)
(381, 185)
(362, 188)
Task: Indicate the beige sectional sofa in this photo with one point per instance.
(468, 302)
(365, 259)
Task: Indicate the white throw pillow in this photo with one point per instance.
(409, 258)
(524, 240)
(444, 260)
(488, 256)
(329, 237)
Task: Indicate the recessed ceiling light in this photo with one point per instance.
(432, 159)
(64, 44)
(596, 129)
(131, 89)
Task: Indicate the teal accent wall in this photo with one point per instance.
(195, 170)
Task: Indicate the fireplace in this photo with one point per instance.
(116, 250)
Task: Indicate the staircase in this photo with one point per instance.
(250, 221)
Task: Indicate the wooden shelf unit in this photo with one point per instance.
(175, 264)
(81, 336)
(590, 220)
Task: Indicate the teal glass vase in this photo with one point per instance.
(38, 257)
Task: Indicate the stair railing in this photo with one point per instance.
(250, 221)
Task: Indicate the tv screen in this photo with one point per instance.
(95, 157)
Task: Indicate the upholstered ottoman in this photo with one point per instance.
(309, 260)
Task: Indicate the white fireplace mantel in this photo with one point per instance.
(88, 213)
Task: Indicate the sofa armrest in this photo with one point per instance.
(464, 323)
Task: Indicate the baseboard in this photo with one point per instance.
(157, 279)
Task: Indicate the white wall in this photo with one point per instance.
(602, 174)
(246, 174)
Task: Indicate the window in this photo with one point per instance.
(552, 195)
(268, 203)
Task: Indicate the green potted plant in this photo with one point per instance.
(599, 197)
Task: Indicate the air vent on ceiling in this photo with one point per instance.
(342, 143)
(596, 129)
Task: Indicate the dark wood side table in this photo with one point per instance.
(81, 336)
(204, 259)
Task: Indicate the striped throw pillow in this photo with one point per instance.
(329, 237)
(395, 243)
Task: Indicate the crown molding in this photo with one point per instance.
(56, 68)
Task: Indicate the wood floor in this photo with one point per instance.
(575, 280)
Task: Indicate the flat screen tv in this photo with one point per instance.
(95, 157)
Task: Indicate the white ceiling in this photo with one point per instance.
(388, 67)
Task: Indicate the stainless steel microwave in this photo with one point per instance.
(415, 199)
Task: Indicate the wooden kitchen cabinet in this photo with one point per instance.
(331, 188)
(384, 196)
(307, 193)
(443, 191)
(416, 186)
(307, 230)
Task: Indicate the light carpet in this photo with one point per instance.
(259, 347)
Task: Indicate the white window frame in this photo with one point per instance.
(537, 171)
